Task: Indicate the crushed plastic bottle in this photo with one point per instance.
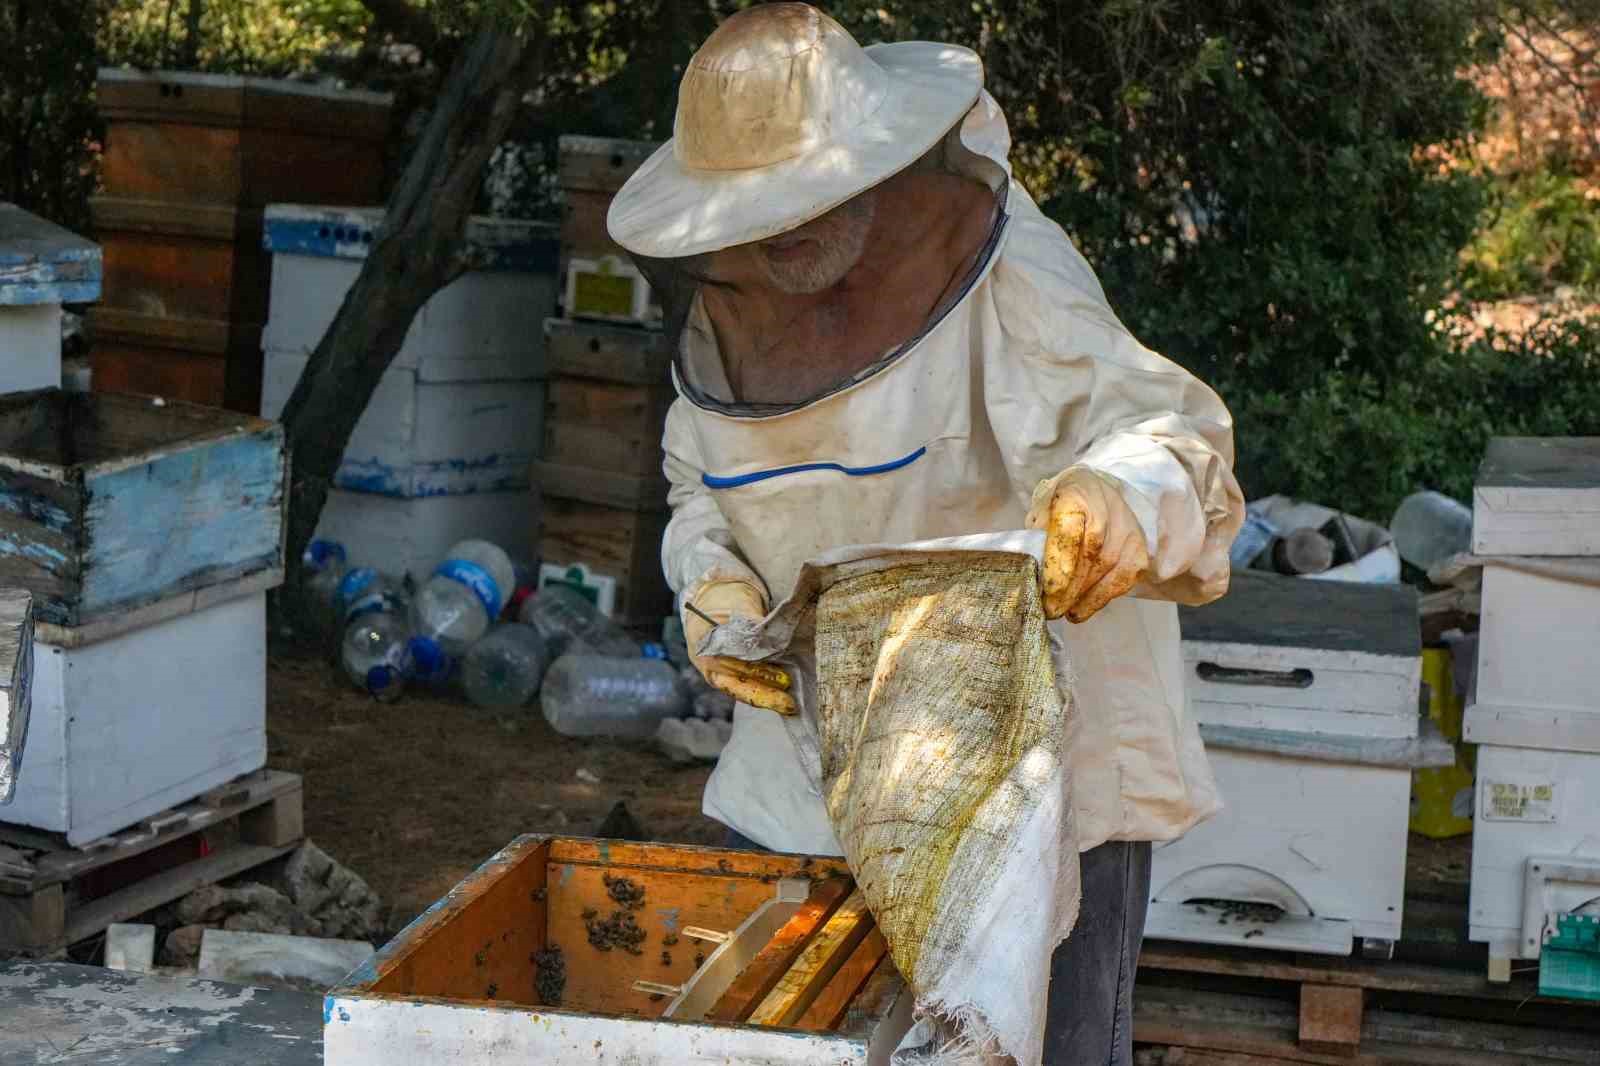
(364, 589)
(323, 563)
(602, 695)
(571, 624)
(454, 607)
(1430, 527)
(376, 654)
(504, 668)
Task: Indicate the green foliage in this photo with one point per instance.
(267, 38)
(1545, 231)
(48, 124)
(1364, 440)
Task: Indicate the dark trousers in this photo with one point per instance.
(1090, 1019)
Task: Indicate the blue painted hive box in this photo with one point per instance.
(111, 502)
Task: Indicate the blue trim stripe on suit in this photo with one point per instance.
(712, 481)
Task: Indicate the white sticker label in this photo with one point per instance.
(1519, 801)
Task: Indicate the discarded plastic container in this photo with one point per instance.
(571, 624)
(365, 589)
(1252, 539)
(324, 565)
(376, 654)
(454, 607)
(602, 695)
(1430, 527)
(429, 664)
(504, 668)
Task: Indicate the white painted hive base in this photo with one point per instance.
(400, 536)
(1531, 804)
(1323, 841)
(132, 725)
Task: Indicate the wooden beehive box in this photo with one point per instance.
(506, 967)
(190, 162)
(111, 505)
(1538, 496)
(591, 170)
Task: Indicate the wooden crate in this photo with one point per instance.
(189, 163)
(606, 427)
(182, 260)
(619, 542)
(595, 351)
(53, 894)
(591, 170)
(125, 725)
(113, 502)
(515, 963)
(221, 139)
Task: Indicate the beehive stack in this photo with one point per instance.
(190, 161)
(604, 495)
(1535, 711)
(441, 452)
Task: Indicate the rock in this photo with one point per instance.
(331, 895)
(587, 776)
(620, 824)
(690, 739)
(182, 946)
(270, 910)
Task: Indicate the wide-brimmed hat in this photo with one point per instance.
(782, 117)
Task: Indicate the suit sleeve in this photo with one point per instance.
(698, 548)
(1068, 385)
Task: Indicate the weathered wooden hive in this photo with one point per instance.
(569, 950)
(190, 161)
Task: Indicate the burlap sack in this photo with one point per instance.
(931, 709)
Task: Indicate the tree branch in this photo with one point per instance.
(417, 251)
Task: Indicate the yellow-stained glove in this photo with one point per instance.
(757, 684)
(1095, 549)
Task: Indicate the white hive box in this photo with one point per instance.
(487, 325)
(42, 266)
(1538, 496)
(1538, 677)
(401, 535)
(1306, 657)
(1317, 790)
(1535, 845)
(419, 438)
(125, 727)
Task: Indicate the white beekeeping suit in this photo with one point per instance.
(1026, 374)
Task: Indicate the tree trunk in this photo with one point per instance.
(417, 251)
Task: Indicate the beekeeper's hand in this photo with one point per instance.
(1095, 549)
(757, 684)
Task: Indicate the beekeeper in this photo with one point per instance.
(884, 340)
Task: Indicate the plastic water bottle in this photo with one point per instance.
(504, 668)
(364, 589)
(376, 653)
(324, 564)
(1253, 538)
(454, 607)
(602, 695)
(1430, 527)
(570, 624)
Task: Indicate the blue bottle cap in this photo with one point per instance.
(655, 651)
(380, 678)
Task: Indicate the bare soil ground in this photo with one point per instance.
(413, 795)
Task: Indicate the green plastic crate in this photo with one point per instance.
(1569, 962)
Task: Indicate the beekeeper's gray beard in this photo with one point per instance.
(840, 242)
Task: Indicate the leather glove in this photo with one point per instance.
(757, 684)
(1095, 549)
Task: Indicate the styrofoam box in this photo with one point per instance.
(402, 536)
(1538, 496)
(1532, 805)
(1538, 678)
(423, 438)
(1325, 842)
(1303, 656)
(488, 324)
(129, 726)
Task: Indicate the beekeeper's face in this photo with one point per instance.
(818, 254)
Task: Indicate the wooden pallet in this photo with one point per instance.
(1205, 1006)
(52, 895)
